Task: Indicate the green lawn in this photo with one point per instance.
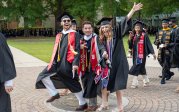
(41, 47)
(37, 47)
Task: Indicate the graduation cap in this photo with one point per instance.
(165, 20)
(137, 22)
(173, 19)
(73, 22)
(64, 15)
(104, 21)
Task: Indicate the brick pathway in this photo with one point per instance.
(155, 98)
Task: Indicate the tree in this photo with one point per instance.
(81, 10)
(30, 10)
(114, 7)
(156, 7)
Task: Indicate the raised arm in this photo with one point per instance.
(136, 7)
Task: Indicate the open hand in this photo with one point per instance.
(137, 7)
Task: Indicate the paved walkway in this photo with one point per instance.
(155, 98)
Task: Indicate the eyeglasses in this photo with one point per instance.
(66, 20)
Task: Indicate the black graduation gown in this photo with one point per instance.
(45, 73)
(120, 68)
(90, 87)
(169, 48)
(137, 69)
(7, 72)
(175, 50)
(64, 68)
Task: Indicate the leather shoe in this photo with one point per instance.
(163, 81)
(51, 99)
(91, 108)
(160, 76)
(82, 107)
(169, 76)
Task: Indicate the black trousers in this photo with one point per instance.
(90, 87)
(166, 66)
(5, 101)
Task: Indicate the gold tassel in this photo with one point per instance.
(58, 58)
(73, 51)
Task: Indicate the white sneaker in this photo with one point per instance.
(135, 82)
(145, 81)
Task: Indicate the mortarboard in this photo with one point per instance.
(64, 15)
(104, 21)
(165, 20)
(73, 22)
(137, 22)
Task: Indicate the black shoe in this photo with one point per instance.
(51, 99)
(169, 76)
(162, 81)
(160, 76)
(82, 107)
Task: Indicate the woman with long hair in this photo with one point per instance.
(112, 38)
(141, 47)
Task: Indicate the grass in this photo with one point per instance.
(41, 47)
(37, 47)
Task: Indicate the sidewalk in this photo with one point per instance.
(156, 98)
(22, 59)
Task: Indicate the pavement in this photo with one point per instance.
(155, 98)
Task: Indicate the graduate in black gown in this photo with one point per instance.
(113, 39)
(175, 31)
(73, 27)
(91, 51)
(49, 79)
(164, 42)
(68, 56)
(141, 47)
(65, 59)
(175, 54)
(7, 74)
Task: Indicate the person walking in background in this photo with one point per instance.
(141, 47)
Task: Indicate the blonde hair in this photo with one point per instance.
(103, 37)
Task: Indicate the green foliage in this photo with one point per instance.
(114, 8)
(156, 7)
(31, 10)
(81, 10)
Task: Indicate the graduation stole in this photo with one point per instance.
(71, 47)
(167, 37)
(57, 42)
(94, 58)
(140, 49)
(83, 60)
(70, 50)
(104, 72)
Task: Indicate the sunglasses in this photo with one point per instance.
(66, 21)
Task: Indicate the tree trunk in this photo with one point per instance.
(59, 12)
(26, 28)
